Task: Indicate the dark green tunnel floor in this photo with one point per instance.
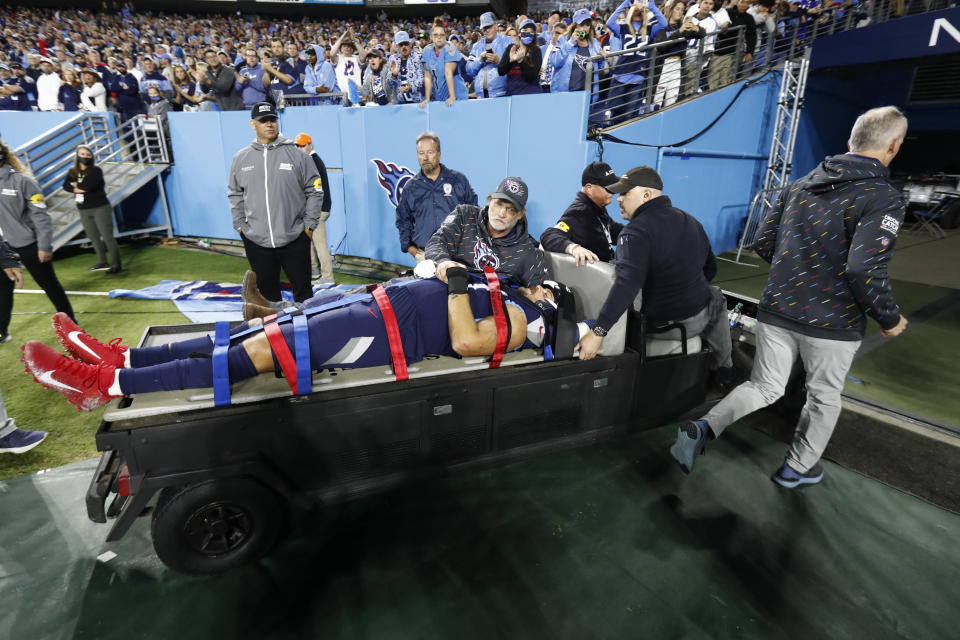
(609, 541)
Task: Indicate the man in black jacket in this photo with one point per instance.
(725, 56)
(828, 241)
(585, 231)
(665, 252)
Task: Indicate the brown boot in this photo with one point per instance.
(250, 292)
(251, 311)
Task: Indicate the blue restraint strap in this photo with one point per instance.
(301, 342)
(221, 374)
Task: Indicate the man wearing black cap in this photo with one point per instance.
(585, 231)
(665, 252)
(276, 197)
(495, 236)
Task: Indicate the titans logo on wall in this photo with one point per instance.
(483, 256)
(392, 178)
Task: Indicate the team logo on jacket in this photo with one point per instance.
(447, 188)
(483, 256)
(392, 178)
(38, 201)
(318, 185)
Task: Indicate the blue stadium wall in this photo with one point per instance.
(540, 138)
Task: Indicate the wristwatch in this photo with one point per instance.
(599, 331)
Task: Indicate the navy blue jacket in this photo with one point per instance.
(585, 224)
(69, 97)
(664, 251)
(828, 242)
(127, 89)
(425, 204)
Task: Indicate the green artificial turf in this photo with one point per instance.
(33, 407)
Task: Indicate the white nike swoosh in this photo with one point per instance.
(73, 336)
(47, 378)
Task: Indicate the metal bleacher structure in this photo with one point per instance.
(130, 155)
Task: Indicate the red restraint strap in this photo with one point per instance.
(499, 315)
(393, 332)
(280, 349)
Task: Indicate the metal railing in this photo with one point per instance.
(632, 83)
(311, 99)
(124, 152)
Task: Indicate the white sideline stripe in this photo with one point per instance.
(69, 293)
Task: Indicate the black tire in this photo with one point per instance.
(215, 526)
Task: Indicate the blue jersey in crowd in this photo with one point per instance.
(434, 63)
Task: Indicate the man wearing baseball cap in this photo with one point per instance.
(665, 252)
(320, 256)
(276, 196)
(406, 70)
(485, 56)
(585, 230)
(48, 87)
(495, 236)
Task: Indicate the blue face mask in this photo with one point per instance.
(526, 38)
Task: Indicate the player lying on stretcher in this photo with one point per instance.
(353, 331)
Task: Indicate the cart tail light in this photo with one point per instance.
(123, 482)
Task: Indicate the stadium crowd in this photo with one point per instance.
(135, 62)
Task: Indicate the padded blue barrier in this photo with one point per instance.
(540, 138)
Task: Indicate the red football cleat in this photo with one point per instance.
(84, 385)
(85, 347)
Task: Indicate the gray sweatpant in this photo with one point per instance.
(7, 426)
(98, 225)
(826, 363)
(713, 327)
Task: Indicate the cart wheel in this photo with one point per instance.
(215, 526)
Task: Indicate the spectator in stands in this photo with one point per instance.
(319, 75)
(520, 63)
(735, 44)
(69, 93)
(219, 81)
(546, 69)
(133, 70)
(188, 97)
(585, 230)
(320, 259)
(127, 90)
(157, 105)
(276, 233)
(28, 87)
(153, 78)
(84, 181)
(28, 229)
(406, 69)
(441, 77)
(93, 95)
(48, 87)
(681, 30)
(569, 58)
(279, 75)
(766, 27)
(296, 62)
(379, 88)
(346, 61)
(631, 69)
(484, 58)
(250, 81)
(698, 52)
(429, 197)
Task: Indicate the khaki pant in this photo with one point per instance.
(321, 252)
(720, 71)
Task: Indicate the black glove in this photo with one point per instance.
(457, 280)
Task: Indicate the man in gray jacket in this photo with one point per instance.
(276, 197)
